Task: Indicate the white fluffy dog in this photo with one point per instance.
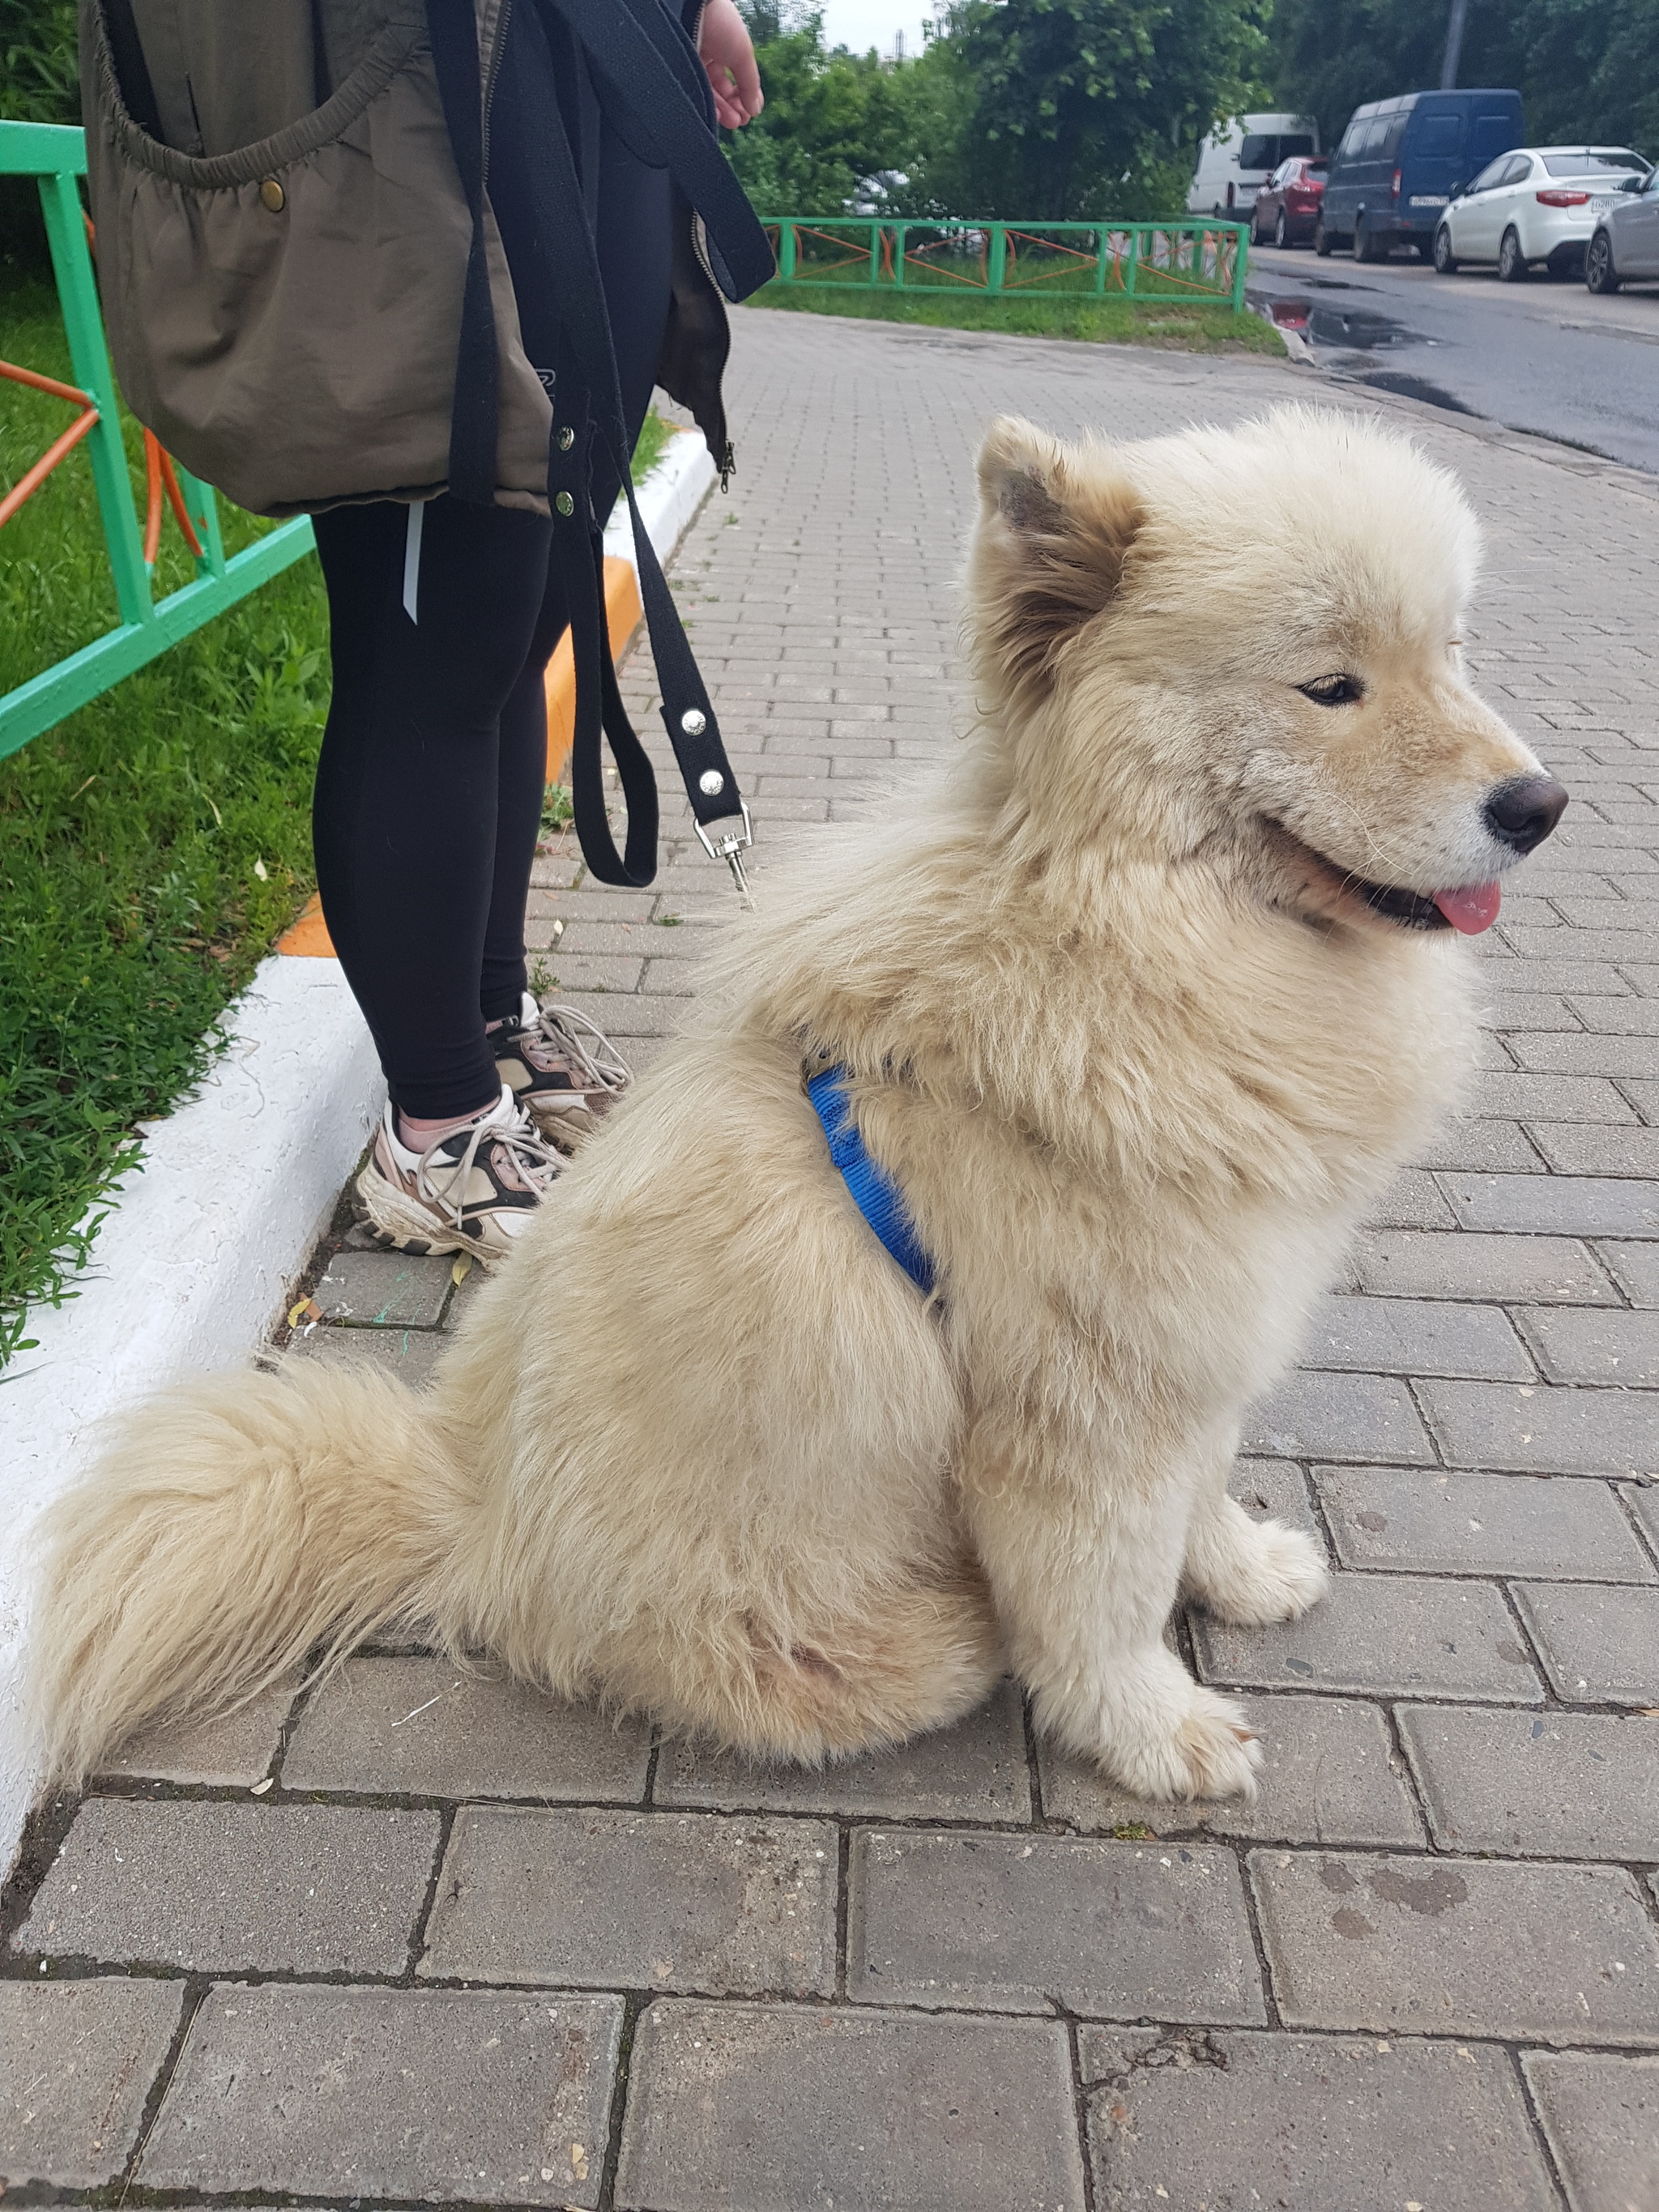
(1140, 1010)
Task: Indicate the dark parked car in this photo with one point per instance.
(1402, 161)
(1623, 246)
(1287, 205)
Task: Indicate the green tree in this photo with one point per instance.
(1085, 107)
(38, 81)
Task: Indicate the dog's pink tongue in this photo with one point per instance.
(1472, 909)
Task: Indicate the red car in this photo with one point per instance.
(1287, 205)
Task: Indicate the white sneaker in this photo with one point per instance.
(475, 1190)
(564, 1070)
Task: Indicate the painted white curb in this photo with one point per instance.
(208, 1231)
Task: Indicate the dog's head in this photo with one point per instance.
(1246, 646)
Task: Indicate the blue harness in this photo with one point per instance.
(875, 1194)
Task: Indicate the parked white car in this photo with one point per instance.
(1234, 164)
(1624, 244)
(1535, 204)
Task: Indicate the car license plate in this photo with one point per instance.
(1428, 199)
(1600, 206)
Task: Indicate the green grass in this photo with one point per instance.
(152, 847)
(1192, 326)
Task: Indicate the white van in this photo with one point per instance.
(1234, 163)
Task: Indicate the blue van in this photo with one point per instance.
(1402, 161)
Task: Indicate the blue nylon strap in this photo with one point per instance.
(875, 1194)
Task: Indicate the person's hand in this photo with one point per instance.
(728, 55)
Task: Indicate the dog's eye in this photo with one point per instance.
(1332, 690)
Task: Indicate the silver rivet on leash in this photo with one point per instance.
(711, 783)
(694, 722)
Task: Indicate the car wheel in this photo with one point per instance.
(1321, 239)
(1281, 229)
(1511, 262)
(1600, 275)
(1445, 261)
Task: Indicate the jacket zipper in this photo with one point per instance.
(492, 71)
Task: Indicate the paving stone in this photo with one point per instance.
(1544, 1430)
(410, 1354)
(1599, 1645)
(1398, 1518)
(636, 1900)
(385, 1290)
(423, 1728)
(1415, 1336)
(1582, 1055)
(1406, 1263)
(1483, 1147)
(1618, 1017)
(217, 1888)
(1276, 1490)
(1006, 1924)
(1571, 1204)
(1387, 1635)
(477, 2095)
(1635, 1269)
(1411, 1200)
(76, 2063)
(1324, 2123)
(1549, 1098)
(230, 1749)
(1428, 1946)
(1587, 1344)
(1329, 1776)
(746, 2108)
(1592, 1148)
(1600, 2117)
(1642, 1499)
(1536, 1785)
(975, 1770)
(1332, 1416)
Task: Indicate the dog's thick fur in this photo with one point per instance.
(1138, 1057)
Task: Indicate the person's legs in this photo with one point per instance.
(407, 809)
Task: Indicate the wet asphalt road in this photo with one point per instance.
(1545, 355)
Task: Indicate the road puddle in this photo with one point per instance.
(1344, 339)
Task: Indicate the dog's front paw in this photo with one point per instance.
(1269, 1572)
(1206, 1750)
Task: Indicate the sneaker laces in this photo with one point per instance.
(530, 1159)
(585, 1045)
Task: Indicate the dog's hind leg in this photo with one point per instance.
(1082, 1539)
(1250, 1572)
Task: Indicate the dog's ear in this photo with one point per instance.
(1054, 532)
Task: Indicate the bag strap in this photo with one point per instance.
(474, 419)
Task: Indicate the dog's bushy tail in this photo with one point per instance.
(233, 1526)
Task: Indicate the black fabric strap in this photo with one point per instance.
(474, 416)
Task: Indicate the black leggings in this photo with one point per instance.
(428, 794)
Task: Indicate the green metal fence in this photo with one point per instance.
(1179, 259)
(56, 157)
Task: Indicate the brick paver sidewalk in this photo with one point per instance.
(427, 1938)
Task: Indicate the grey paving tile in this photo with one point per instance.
(1536, 1785)
(1485, 1147)
(1406, 1263)
(1329, 1776)
(1426, 1945)
(1415, 1336)
(477, 2095)
(1585, 1054)
(1387, 1635)
(1276, 1490)
(746, 2108)
(1399, 1519)
(1642, 1499)
(410, 1354)
(424, 1728)
(1343, 1415)
(76, 2063)
(975, 1770)
(1548, 1098)
(1006, 1924)
(1599, 1645)
(385, 1290)
(636, 1900)
(1618, 1017)
(1635, 1269)
(1412, 1201)
(1579, 1344)
(1331, 2123)
(1570, 1205)
(1592, 1148)
(231, 1748)
(218, 1887)
(1544, 1430)
(1601, 2116)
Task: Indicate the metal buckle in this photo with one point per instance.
(730, 845)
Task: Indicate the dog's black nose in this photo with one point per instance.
(1524, 810)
